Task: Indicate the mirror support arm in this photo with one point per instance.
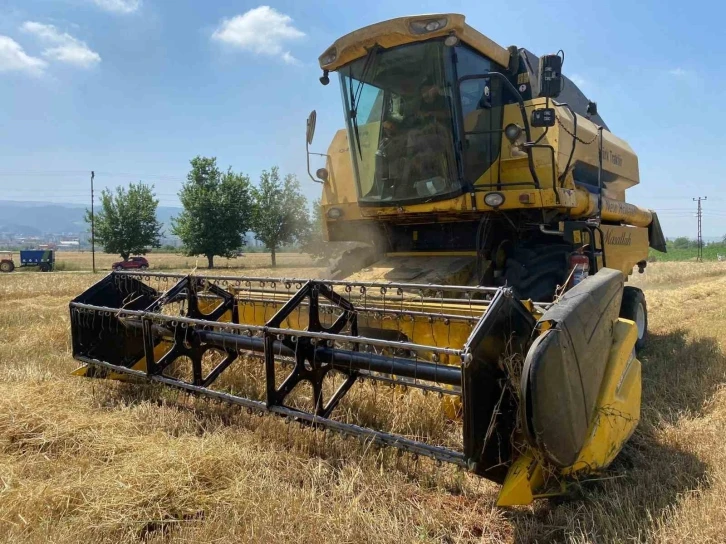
(309, 133)
(307, 155)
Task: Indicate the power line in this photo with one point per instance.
(70, 191)
(78, 173)
(700, 234)
(93, 230)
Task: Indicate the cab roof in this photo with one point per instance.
(411, 29)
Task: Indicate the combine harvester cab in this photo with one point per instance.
(525, 394)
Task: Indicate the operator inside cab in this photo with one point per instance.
(409, 150)
(401, 124)
(425, 170)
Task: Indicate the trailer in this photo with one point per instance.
(44, 259)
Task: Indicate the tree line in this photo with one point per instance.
(683, 242)
(218, 209)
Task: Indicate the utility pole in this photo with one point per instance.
(699, 258)
(93, 230)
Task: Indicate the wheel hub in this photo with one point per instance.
(640, 320)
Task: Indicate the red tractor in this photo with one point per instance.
(6, 261)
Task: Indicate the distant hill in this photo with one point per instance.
(39, 218)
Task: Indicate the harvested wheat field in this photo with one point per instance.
(94, 461)
(82, 260)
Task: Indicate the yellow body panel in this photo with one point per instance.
(524, 478)
(616, 416)
(453, 205)
(624, 246)
(620, 163)
(512, 166)
(618, 405)
(579, 203)
(340, 188)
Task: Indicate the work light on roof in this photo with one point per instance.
(423, 26)
(451, 40)
(329, 56)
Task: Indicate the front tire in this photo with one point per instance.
(535, 269)
(7, 266)
(634, 308)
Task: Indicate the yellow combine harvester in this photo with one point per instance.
(490, 196)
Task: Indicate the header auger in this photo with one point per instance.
(300, 348)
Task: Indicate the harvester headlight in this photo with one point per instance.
(328, 57)
(451, 40)
(322, 173)
(423, 26)
(512, 132)
(335, 213)
(494, 199)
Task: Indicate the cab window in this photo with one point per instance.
(482, 109)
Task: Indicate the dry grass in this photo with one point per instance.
(91, 461)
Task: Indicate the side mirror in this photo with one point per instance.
(322, 173)
(311, 127)
(591, 108)
(550, 76)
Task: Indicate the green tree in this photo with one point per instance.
(126, 223)
(280, 214)
(217, 210)
(681, 243)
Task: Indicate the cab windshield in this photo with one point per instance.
(399, 110)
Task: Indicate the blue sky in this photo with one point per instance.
(135, 88)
